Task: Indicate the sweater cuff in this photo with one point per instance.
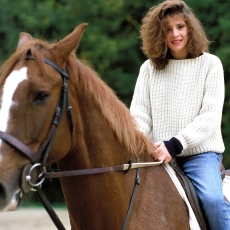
(173, 146)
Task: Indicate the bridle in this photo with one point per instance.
(34, 174)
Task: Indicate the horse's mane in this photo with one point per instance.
(114, 111)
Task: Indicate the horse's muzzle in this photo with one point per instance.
(9, 203)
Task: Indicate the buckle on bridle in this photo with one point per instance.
(32, 177)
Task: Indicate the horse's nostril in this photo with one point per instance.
(2, 195)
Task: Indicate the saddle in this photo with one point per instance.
(191, 194)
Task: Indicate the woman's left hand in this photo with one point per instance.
(161, 153)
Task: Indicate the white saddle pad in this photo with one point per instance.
(226, 187)
(194, 225)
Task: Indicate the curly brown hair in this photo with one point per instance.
(154, 26)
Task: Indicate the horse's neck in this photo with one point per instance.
(96, 146)
(95, 141)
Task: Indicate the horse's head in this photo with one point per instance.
(32, 88)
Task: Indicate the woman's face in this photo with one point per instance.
(177, 37)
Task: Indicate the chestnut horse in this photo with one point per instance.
(101, 133)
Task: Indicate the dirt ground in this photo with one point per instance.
(32, 219)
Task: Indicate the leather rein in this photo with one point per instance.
(34, 174)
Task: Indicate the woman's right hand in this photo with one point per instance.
(161, 153)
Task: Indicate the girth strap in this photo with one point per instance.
(137, 182)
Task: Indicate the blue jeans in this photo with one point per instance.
(203, 171)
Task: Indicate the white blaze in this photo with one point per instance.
(9, 88)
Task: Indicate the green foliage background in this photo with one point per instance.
(111, 43)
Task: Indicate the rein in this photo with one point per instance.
(33, 175)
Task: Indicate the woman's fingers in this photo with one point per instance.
(161, 153)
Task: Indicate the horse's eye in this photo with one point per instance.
(40, 97)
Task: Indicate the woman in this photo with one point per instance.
(178, 102)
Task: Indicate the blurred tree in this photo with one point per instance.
(216, 20)
(110, 44)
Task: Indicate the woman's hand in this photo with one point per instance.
(161, 153)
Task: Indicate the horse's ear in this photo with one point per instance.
(23, 39)
(71, 41)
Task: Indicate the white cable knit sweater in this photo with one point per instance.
(184, 100)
